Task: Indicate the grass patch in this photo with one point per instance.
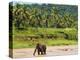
(61, 42)
(48, 42)
(20, 40)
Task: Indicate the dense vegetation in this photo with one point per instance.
(44, 15)
(22, 40)
(32, 23)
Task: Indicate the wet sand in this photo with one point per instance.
(51, 51)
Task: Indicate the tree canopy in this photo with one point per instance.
(43, 15)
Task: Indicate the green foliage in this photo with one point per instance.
(43, 15)
(66, 33)
(46, 23)
(31, 43)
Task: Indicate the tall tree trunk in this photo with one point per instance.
(46, 23)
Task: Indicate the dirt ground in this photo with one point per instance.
(51, 51)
